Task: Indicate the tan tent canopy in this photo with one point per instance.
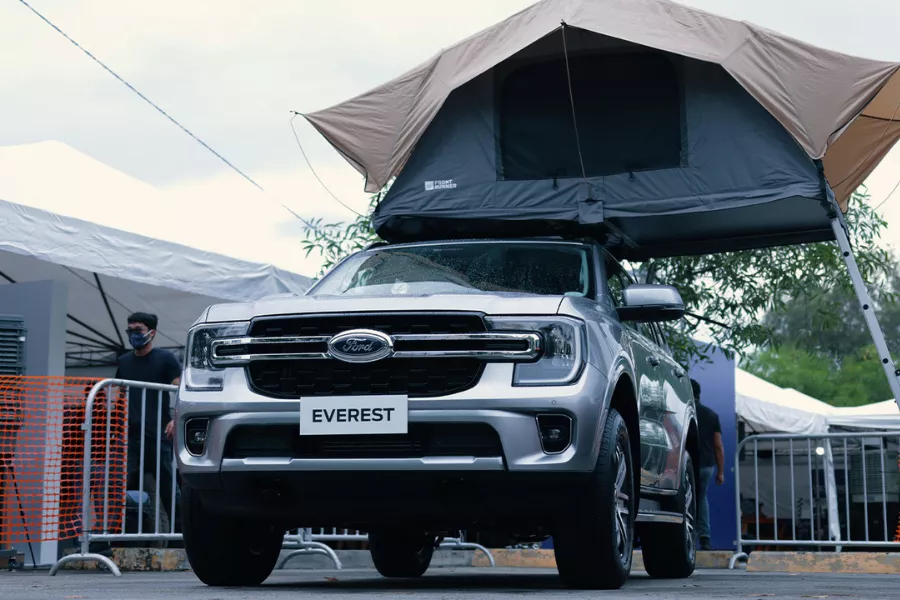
(839, 108)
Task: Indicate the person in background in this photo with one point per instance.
(149, 365)
(712, 463)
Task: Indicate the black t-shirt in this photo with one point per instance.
(708, 423)
(159, 366)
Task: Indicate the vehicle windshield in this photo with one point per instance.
(463, 268)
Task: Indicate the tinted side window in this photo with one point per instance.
(660, 336)
(616, 286)
(617, 280)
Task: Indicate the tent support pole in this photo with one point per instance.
(865, 302)
(109, 311)
(839, 227)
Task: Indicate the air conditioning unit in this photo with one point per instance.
(12, 345)
(874, 489)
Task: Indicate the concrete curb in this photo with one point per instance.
(873, 563)
(158, 560)
(544, 559)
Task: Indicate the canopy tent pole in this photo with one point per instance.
(109, 311)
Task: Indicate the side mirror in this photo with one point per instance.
(651, 304)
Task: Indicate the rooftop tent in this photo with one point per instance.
(672, 130)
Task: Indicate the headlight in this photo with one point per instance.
(563, 357)
(200, 374)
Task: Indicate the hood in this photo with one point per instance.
(491, 304)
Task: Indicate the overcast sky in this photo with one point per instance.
(232, 70)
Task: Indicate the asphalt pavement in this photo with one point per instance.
(446, 584)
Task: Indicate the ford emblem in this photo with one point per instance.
(361, 346)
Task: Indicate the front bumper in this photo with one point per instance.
(510, 411)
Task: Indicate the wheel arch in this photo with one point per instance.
(692, 444)
(624, 400)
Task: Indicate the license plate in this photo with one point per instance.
(365, 415)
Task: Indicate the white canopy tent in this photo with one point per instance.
(110, 272)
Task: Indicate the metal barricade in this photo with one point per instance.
(333, 535)
(103, 511)
(301, 543)
(820, 491)
(460, 543)
(111, 464)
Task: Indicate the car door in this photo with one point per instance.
(648, 367)
(675, 382)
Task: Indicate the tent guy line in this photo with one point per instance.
(161, 111)
(142, 96)
(294, 115)
(572, 103)
(888, 197)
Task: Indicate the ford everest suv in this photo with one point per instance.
(514, 389)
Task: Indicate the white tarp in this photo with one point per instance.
(878, 416)
(136, 272)
(767, 408)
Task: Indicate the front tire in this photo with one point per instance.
(225, 551)
(594, 545)
(670, 551)
(401, 555)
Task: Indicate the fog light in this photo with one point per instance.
(195, 432)
(555, 432)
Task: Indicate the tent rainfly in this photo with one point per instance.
(656, 128)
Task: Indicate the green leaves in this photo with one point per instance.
(335, 241)
(741, 288)
(858, 380)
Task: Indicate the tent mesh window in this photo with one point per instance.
(629, 108)
(12, 345)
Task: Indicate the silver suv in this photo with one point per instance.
(514, 389)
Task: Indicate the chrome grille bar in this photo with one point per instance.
(531, 350)
(244, 358)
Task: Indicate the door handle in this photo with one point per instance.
(653, 361)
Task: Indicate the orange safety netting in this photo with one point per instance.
(42, 447)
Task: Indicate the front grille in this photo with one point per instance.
(413, 377)
(389, 323)
(423, 440)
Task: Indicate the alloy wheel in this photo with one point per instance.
(623, 491)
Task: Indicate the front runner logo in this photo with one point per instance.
(440, 184)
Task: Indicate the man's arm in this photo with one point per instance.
(173, 370)
(720, 457)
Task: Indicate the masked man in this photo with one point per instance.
(149, 413)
